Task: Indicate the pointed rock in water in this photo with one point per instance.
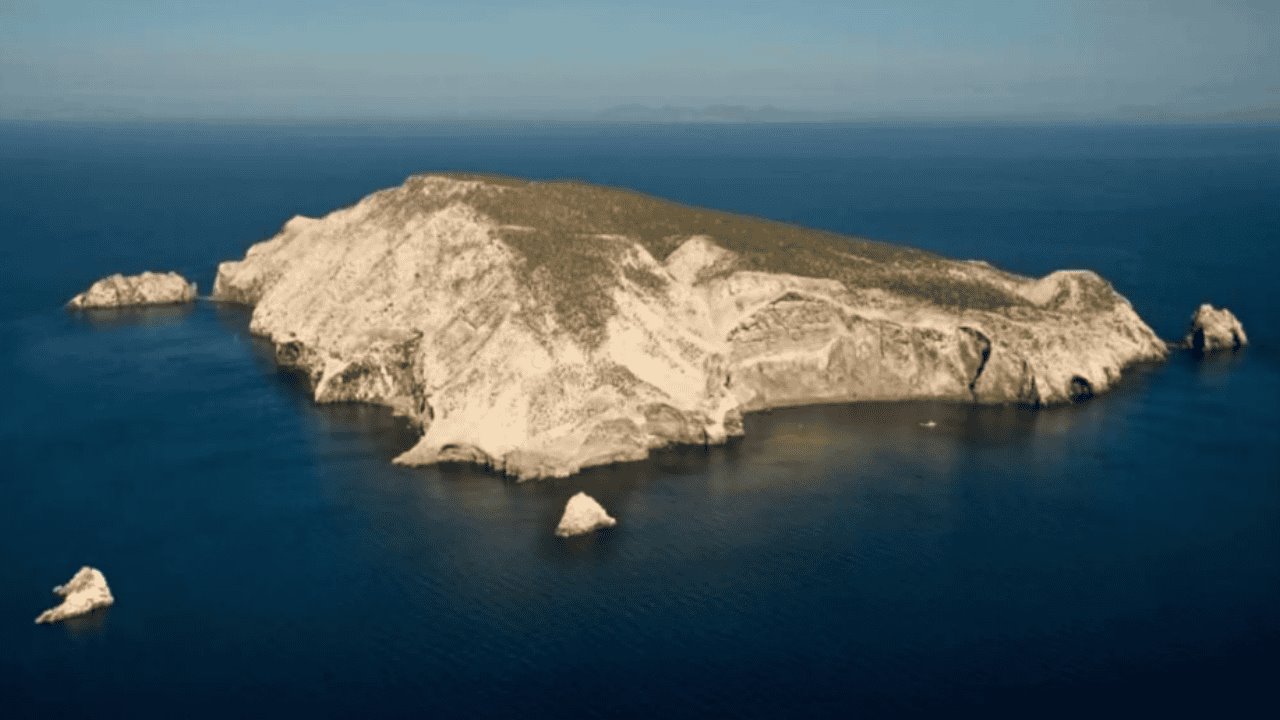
(582, 514)
(1214, 329)
(538, 328)
(148, 288)
(85, 592)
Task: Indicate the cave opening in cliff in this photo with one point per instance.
(1081, 389)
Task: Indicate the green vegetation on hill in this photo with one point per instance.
(562, 230)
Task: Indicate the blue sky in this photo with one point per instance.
(981, 59)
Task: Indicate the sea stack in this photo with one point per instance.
(1214, 329)
(538, 328)
(148, 288)
(582, 515)
(85, 592)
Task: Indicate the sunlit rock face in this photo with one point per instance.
(148, 288)
(1214, 329)
(85, 592)
(540, 328)
(582, 515)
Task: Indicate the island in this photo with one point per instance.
(85, 592)
(1212, 329)
(583, 515)
(539, 328)
(122, 291)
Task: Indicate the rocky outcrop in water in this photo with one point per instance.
(582, 515)
(148, 288)
(538, 328)
(85, 592)
(1214, 329)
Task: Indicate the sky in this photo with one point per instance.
(571, 59)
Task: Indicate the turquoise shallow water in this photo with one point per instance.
(1123, 554)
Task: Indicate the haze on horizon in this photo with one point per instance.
(572, 59)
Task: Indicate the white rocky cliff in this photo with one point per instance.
(147, 288)
(539, 328)
(1214, 329)
(85, 592)
(582, 515)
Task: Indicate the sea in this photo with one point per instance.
(1117, 557)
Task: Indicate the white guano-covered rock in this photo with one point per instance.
(148, 288)
(582, 515)
(538, 328)
(1214, 329)
(85, 592)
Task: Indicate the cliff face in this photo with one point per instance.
(539, 328)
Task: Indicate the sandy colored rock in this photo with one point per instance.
(538, 328)
(85, 592)
(1214, 329)
(582, 515)
(148, 288)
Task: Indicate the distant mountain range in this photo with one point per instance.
(714, 113)
(723, 113)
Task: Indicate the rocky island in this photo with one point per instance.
(148, 288)
(583, 515)
(539, 328)
(1212, 329)
(85, 592)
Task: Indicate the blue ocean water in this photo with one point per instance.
(1118, 556)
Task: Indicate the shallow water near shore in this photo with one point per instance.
(267, 557)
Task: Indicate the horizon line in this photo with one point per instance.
(498, 119)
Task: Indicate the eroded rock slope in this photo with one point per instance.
(542, 327)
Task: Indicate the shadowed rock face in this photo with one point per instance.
(539, 328)
(148, 288)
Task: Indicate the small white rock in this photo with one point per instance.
(85, 592)
(582, 514)
(928, 424)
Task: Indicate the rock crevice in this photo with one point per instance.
(984, 355)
